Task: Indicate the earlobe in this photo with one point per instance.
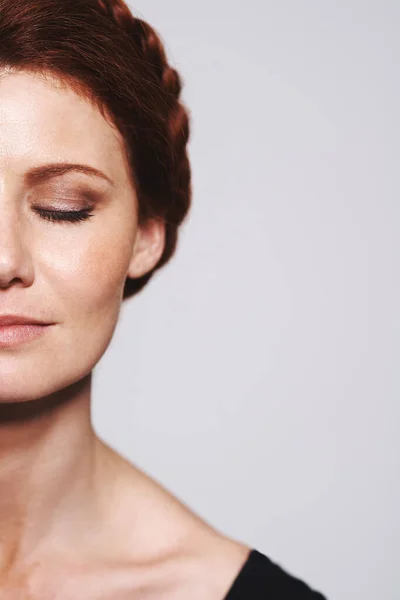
(148, 248)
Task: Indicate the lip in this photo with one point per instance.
(12, 335)
(20, 320)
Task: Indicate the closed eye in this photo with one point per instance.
(72, 216)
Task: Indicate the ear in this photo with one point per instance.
(148, 248)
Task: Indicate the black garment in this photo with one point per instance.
(261, 579)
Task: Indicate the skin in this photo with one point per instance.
(76, 518)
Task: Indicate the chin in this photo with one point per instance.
(45, 384)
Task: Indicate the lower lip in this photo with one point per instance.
(11, 335)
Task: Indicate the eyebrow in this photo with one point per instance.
(50, 170)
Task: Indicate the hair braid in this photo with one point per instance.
(176, 115)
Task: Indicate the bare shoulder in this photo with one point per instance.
(203, 570)
(210, 568)
(172, 553)
(201, 563)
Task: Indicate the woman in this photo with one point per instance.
(95, 182)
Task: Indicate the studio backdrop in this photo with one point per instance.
(257, 377)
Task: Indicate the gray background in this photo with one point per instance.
(256, 377)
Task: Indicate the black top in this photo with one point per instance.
(261, 579)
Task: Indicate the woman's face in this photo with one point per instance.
(71, 274)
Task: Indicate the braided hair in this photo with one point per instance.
(118, 62)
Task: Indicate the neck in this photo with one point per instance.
(48, 476)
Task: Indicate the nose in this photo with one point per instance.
(15, 257)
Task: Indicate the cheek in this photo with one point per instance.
(87, 273)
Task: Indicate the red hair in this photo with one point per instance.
(118, 62)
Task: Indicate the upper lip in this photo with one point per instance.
(20, 320)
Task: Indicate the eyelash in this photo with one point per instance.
(72, 216)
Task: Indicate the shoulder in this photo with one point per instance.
(163, 546)
(171, 552)
(206, 568)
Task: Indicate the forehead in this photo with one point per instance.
(40, 119)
